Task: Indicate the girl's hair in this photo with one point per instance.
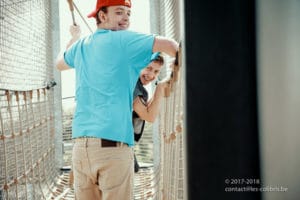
(159, 59)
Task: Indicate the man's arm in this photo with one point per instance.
(149, 112)
(60, 61)
(168, 46)
(61, 65)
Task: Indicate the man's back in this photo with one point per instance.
(107, 65)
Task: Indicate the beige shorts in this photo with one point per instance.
(102, 173)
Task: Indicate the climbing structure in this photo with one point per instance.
(27, 154)
(30, 142)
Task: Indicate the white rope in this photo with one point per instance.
(8, 96)
(4, 156)
(22, 138)
(83, 19)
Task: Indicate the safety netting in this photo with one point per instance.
(27, 153)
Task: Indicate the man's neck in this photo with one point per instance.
(101, 26)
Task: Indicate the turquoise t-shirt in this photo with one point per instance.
(107, 65)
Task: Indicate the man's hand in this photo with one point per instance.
(75, 32)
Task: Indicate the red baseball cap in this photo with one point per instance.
(104, 3)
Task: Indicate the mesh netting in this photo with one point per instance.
(171, 171)
(25, 42)
(27, 167)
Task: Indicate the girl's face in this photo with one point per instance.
(150, 73)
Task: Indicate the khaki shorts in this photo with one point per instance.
(102, 173)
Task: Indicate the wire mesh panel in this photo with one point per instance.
(27, 161)
(25, 35)
(171, 167)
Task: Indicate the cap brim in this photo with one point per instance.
(92, 14)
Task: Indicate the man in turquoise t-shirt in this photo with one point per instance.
(107, 65)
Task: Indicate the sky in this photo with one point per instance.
(140, 21)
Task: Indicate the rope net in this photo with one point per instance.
(27, 150)
(170, 169)
(27, 163)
